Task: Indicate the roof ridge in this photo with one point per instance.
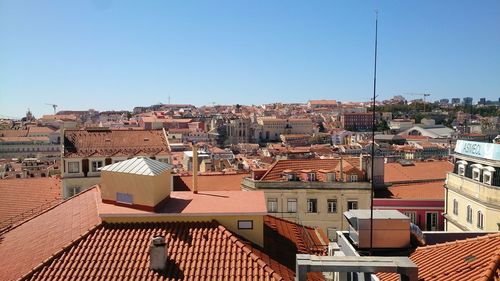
(247, 249)
(61, 251)
(48, 209)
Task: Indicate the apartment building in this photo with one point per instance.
(270, 129)
(473, 188)
(86, 151)
(357, 121)
(315, 192)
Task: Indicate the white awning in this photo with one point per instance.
(488, 168)
(479, 166)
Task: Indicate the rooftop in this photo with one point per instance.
(274, 173)
(196, 250)
(418, 171)
(419, 190)
(24, 198)
(469, 259)
(35, 240)
(143, 166)
(85, 143)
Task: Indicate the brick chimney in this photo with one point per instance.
(158, 253)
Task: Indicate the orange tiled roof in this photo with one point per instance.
(469, 259)
(275, 171)
(220, 182)
(13, 133)
(420, 190)
(420, 171)
(32, 242)
(83, 143)
(24, 198)
(196, 250)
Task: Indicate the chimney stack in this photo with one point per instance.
(157, 253)
(195, 168)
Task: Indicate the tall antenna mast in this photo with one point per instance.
(373, 135)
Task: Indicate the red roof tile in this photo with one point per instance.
(24, 198)
(469, 259)
(196, 251)
(35, 240)
(419, 171)
(420, 190)
(83, 143)
(274, 172)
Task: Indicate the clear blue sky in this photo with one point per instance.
(106, 54)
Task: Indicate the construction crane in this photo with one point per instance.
(419, 94)
(54, 106)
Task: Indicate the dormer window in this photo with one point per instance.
(461, 167)
(476, 171)
(289, 175)
(353, 178)
(311, 176)
(330, 177)
(488, 174)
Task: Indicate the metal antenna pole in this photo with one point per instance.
(373, 135)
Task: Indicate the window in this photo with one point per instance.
(311, 176)
(352, 205)
(72, 191)
(469, 214)
(330, 177)
(455, 207)
(272, 205)
(73, 167)
(245, 224)
(312, 205)
(480, 220)
(332, 205)
(124, 198)
(412, 216)
(476, 174)
(487, 177)
(292, 205)
(96, 165)
(353, 178)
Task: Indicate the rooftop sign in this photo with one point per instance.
(484, 150)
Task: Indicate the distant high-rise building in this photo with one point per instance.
(482, 101)
(467, 101)
(455, 101)
(444, 101)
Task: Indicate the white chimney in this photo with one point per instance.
(195, 168)
(157, 253)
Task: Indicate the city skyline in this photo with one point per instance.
(116, 55)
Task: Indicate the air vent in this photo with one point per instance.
(146, 139)
(107, 140)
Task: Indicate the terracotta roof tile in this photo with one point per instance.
(469, 259)
(420, 190)
(30, 243)
(83, 143)
(24, 198)
(419, 171)
(274, 172)
(196, 251)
